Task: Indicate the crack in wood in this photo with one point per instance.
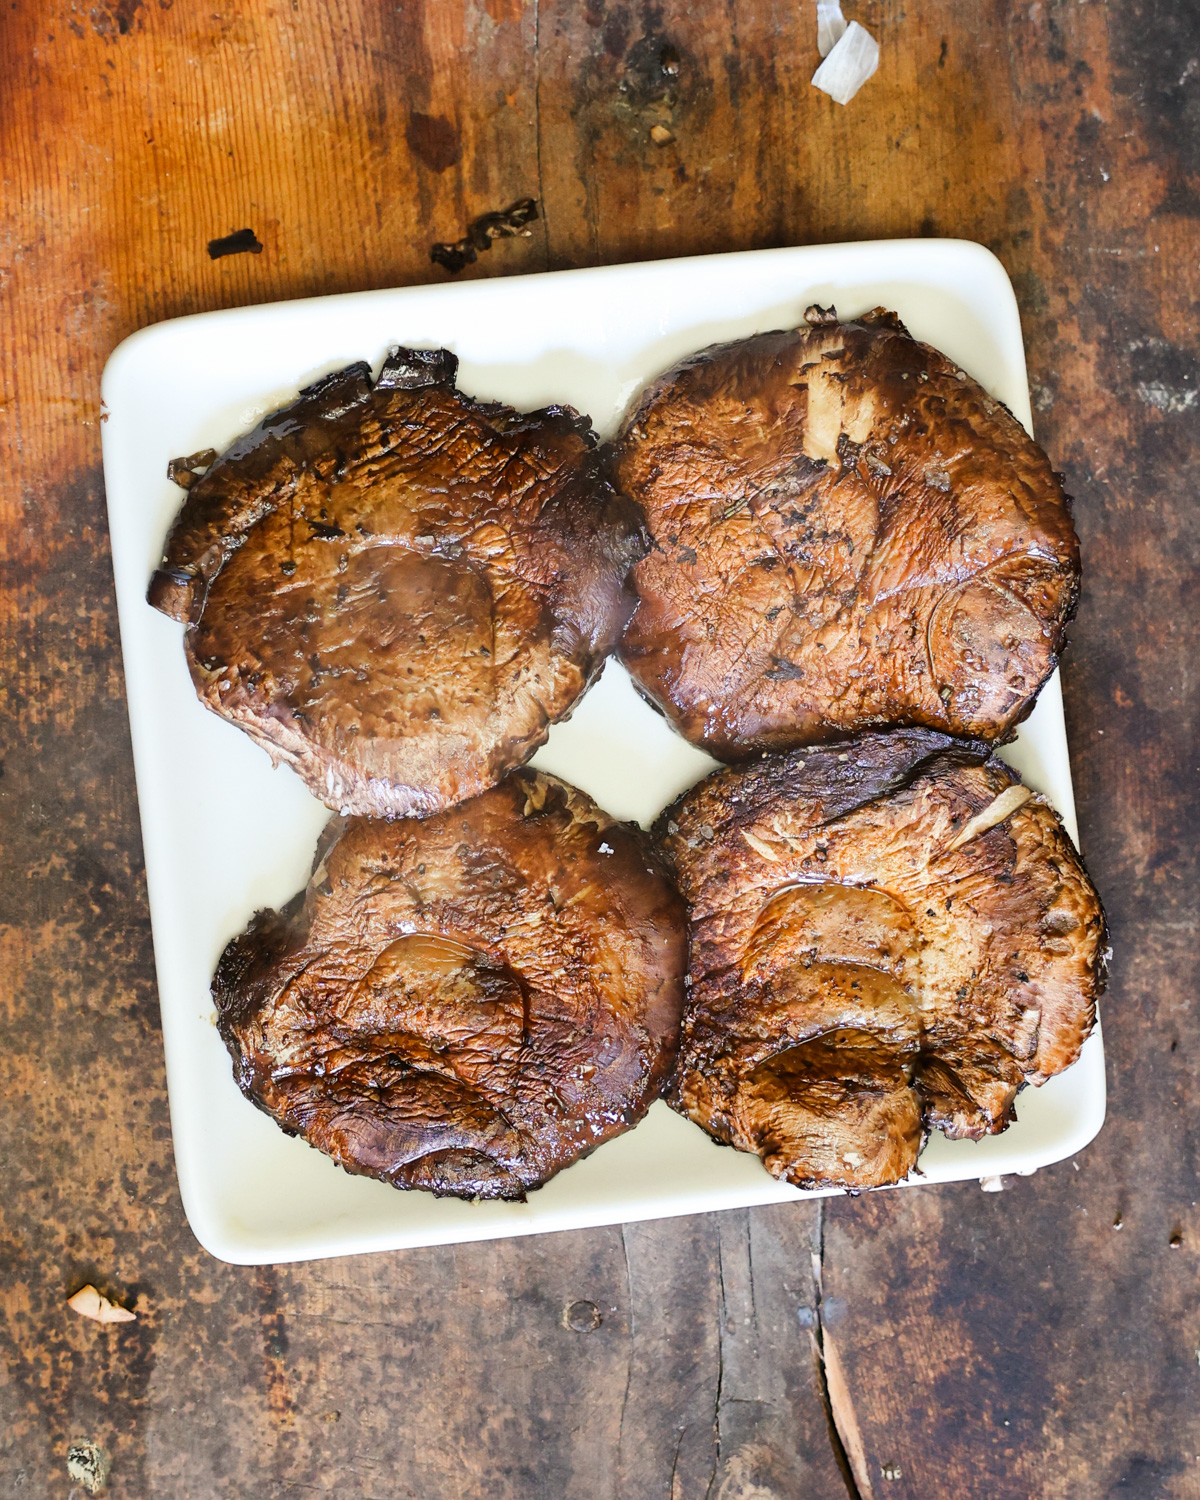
(537, 125)
(632, 1343)
(845, 1419)
(750, 1269)
(721, 1314)
(675, 1463)
(845, 1440)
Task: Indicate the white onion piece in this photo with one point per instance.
(995, 812)
(852, 61)
(830, 25)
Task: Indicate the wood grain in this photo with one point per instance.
(1008, 1346)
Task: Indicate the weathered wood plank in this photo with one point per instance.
(1042, 1342)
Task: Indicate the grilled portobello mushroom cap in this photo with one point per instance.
(887, 934)
(848, 533)
(396, 589)
(465, 1003)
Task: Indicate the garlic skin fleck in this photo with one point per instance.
(89, 1303)
(853, 60)
(831, 25)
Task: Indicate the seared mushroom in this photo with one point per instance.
(396, 589)
(466, 1003)
(848, 533)
(887, 934)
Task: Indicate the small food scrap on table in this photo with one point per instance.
(456, 255)
(89, 1465)
(89, 1303)
(831, 25)
(241, 242)
(850, 52)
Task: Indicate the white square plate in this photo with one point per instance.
(224, 834)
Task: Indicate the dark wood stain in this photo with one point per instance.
(433, 140)
(1012, 1345)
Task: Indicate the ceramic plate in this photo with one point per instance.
(224, 834)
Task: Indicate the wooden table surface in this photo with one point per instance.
(1039, 1342)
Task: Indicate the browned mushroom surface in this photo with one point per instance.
(396, 589)
(887, 934)
(848, 533)
(466, 1003)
